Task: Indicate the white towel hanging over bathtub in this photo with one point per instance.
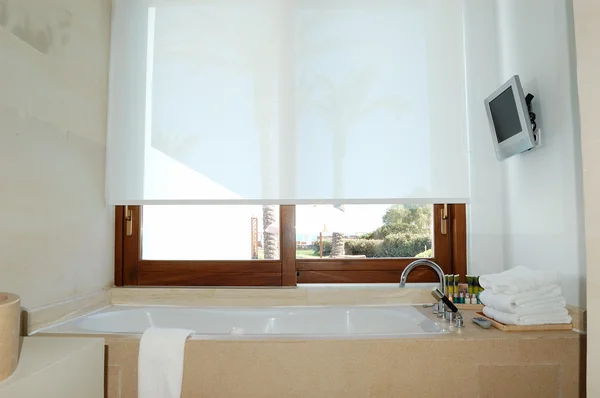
(160, 362)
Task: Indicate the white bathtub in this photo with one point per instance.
(269, 322)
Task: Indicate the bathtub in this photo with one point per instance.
(266, 322)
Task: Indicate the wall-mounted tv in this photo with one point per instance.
(510, 124)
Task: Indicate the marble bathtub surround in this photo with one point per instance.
(318, 295)
(538, 364)
(38, 318)
(248, 297)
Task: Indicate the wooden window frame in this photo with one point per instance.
(131, 270)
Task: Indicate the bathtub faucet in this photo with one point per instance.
(433, 266)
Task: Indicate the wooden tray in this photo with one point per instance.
(527, 328)
(469, 307)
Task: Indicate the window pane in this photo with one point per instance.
(364, 231)
(210, 232)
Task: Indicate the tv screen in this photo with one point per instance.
(505, 115)
(511, 129)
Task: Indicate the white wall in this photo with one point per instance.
(56, 233)
(543, 220)
(486, 211)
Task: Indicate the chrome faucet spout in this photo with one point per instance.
(431, 265)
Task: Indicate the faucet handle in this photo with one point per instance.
(451, 306)
(445, 299)
(459, 320)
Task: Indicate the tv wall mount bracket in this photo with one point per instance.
(537, 133)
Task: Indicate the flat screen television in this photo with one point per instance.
(510, 124)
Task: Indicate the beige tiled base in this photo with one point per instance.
(525, 381)
(513, 367)
(112, 381)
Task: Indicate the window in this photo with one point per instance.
(210, 233)
(284, 245)
(244, 103)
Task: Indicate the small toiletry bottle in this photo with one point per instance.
(474, 299)
(469, 285)
(456, 289)
(463, 290)
(461, 298)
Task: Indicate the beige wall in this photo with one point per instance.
(55, 228)
(587, 31)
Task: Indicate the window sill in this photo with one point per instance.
(364, 286)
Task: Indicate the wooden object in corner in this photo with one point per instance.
(527, 328)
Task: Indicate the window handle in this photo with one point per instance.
(128, 221)
(444, 219)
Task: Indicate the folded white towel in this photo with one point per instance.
(540, 310)
(533, 319)
(519, 280)
(513, 303)
(538, 296)
(160, 362)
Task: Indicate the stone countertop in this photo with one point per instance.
(472, 331)
(38, 354)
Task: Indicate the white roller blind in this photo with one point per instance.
(281, 101)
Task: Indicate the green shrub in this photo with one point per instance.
(366, 247)
(393, 245)
(326, 247)
(404, 245)
(426, 254)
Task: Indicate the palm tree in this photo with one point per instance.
(271, 242)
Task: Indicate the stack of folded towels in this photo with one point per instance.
(522, 296)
